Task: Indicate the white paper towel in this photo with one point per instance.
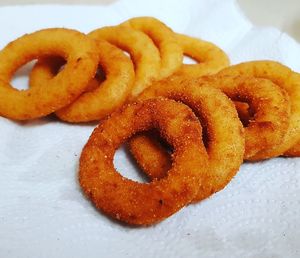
(42, 210)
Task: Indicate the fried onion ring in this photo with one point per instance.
(211, 59)
(270, 113)
(225, 133)
(287, 80)
(164, 38)
(144, 203)
(81, 55)
(269, 103)
(142, 50)
(98, 102)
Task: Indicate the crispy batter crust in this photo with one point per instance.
(103, 97)
(144, 203)
(164, 38)
(269, 103)
(142, 50)
(286, 79)
(211, 59)
(81, 55)
(223, 128)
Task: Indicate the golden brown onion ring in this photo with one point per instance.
(268, 113)
(210, 58)
(142, 50)
(225, 143)
(269, 103)
(81, 55)
(164, 38)
(286, 79)
(100, 101)
(144, 203)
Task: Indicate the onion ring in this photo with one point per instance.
(269, 103)
(270, 112)
(164, 38)
(287, 80)
(142, 50)
(140, 203)
(211, 59)
(98, 102)
(81, 55)
(225, 133)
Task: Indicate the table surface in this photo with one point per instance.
(285, 15)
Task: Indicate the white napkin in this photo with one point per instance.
(42, 210)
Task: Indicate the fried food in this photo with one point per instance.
(210, 58)
(103, 97)
(144, 203)
(224, 133)
(142, 50)
(150, 154)
(286, 79)
(81, 55)
(164, 38)
(249, 111)
(294, 151)
(269, 103)
(244, 111)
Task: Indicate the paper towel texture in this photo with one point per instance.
(42, 210)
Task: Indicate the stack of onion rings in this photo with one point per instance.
(98, 102)
(184, 163)
(150, 65)
(164, 38)
(225, 135)
(143, 52)
(81, 55)
(286, 79)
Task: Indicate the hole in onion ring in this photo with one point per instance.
(126, 53)
(245, 112)
(124, 162)
(100, 74)
(189, 60)
(20, 79)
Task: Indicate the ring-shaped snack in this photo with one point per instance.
(142, 50)
(224, 133)
(144, 203)
(210, 58)
(164, 38)
(270, 106)
(81, 55)
(286, 79)
(103, 97)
